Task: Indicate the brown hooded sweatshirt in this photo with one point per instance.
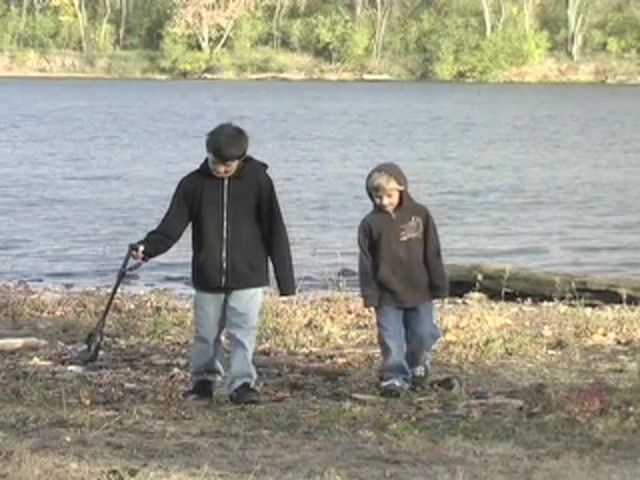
(400, 262)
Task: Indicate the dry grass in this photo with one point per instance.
(549, 391)
(590, 70)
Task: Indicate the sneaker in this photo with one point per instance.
(419, 377)
(448, 384)
(244, 394)
(201, 389)
(392, 388)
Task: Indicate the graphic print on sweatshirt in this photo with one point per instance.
(414, 228)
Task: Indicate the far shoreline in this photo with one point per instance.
(510, 79)
(284, 79)
(265, 64)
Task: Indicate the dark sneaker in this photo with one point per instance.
(201, 389)
(392, 388)
(448, 384)
(244, 394)
(419, 377)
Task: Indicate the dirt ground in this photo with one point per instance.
(518, 392)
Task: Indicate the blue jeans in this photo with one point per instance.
(407, 337)
(238, 311)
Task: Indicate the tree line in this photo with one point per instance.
(444, 39)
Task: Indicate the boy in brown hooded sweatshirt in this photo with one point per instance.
(401, 272)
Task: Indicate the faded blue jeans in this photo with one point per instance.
(407, 337)
(238, 311)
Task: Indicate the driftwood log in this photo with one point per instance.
(13, 344)
(512, 283)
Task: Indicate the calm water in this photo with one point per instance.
(538, 176)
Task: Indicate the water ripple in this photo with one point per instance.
(542, 177)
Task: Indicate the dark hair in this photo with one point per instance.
(227, 142)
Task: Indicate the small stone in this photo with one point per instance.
(75, 369)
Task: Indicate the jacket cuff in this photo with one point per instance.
(370, 301)
(439, 292)
(288, 291)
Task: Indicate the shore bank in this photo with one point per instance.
(495, 281)
(136, 65)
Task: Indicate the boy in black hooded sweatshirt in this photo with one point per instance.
(236, 228)
(401, 272)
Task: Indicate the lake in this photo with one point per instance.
(545, 177)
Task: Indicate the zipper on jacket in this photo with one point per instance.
(225, 205)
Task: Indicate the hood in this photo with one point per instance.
(396, 172)
(248, 166)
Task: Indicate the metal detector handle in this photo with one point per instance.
(133, 247)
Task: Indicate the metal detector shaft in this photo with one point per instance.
(94, 339)
(121, 274)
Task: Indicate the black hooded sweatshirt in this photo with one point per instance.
(236, 226)
(400, 262)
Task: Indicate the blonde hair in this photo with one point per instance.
(382, 182)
